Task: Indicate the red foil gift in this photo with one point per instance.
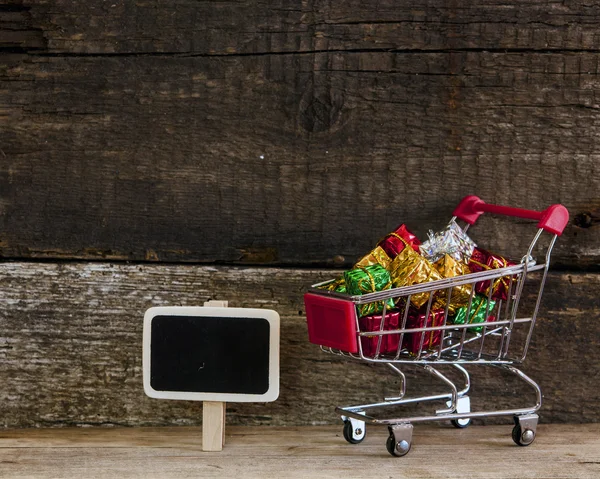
(416, 319)
(397, 240)
(482, 260)
(389, 342)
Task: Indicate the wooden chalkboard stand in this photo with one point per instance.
(213, 412)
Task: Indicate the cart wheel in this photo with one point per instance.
(461, 423)
(354, 435)
(522, 438)
(397, 449)
(463, 405)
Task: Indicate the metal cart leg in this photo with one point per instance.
(467, 380)
(463, 404)
(454, 394)
(402, 384)
(348, 411)
(459, 403)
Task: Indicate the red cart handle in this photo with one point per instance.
(553, 219)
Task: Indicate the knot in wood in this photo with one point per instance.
(320, 107)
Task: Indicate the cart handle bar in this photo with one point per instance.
(553, 219)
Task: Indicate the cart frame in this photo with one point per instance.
(487, 343)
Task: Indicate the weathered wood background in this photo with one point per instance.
(269, 140)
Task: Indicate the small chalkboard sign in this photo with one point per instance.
(211, 354)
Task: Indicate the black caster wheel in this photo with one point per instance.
(522, 438)
(354, 435)
(461, 423)
(398, 450)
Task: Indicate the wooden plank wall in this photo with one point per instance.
(158, 153)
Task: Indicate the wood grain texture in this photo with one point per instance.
(559, 452)
(248, 27)
(71, 348)
(290, 133)
(213, 425)
(290, 159)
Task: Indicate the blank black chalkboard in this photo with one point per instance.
(210, 354)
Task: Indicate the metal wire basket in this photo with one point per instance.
(502, 340)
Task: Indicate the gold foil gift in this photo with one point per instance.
(448, 267)
(377, 256)
(409, 268)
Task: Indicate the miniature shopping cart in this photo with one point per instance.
(501, 340)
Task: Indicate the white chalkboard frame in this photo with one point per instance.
(274, 330)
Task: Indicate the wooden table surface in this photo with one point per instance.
(560, 451)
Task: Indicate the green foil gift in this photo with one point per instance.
(479, 308)
(336, 285)
(369, 279)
